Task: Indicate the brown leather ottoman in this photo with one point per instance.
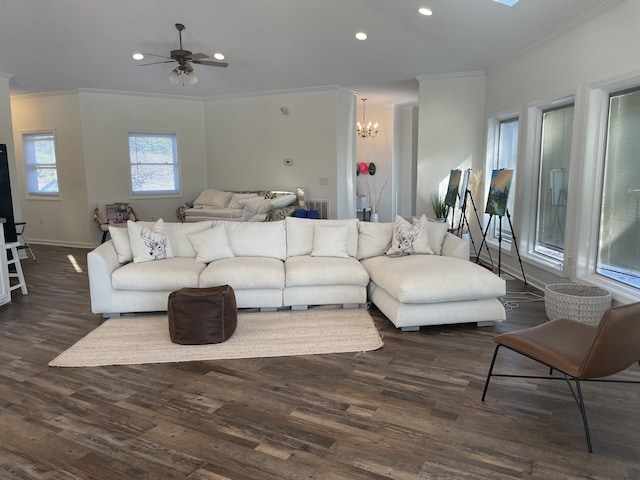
(202, 315)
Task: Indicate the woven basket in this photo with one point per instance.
(577, 302)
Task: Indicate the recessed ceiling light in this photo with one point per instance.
(510, 3)
(361, 36)
(218, 56)
(425, 11)
(138, 56)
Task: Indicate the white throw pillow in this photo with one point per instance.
(254, 206)
(212, 198)
(211, 244)
(404, 234)
(330, 241)
(237, 197)
(282, 201)
(436, 231)
(374, 239)
(120, 237)
(149, 243)
(421, 243)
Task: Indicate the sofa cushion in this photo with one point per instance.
(410, 238)
(149, 242)
(212, 198)
(168, 274)
(306, 270)
(121, 243)
(244, 273)
(433, 278)
(204, 213)
(179, 236)
(374, 239)
(436, 232)
(300, 235)
(211, 244)
(330, 241)
(257, 239)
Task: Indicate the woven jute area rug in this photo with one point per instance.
(145, 339)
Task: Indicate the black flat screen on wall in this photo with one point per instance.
(6, 205)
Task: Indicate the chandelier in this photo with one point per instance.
(366, 129)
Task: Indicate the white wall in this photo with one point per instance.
(63, 219)
(601, 51)
(405, 150)
(106, 120)
(451, 132)
(248, 139)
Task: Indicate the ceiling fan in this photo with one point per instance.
(185, 59)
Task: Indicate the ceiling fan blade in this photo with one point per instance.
(155, 63)
(198, 56)
(154, 55)
(211, 64)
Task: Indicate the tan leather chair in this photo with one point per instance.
(579, 351)
(100, 219)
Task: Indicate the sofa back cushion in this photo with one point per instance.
(374, 239)
(257, 239)
(300, 235)
(180, 242)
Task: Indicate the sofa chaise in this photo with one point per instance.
(296, 263)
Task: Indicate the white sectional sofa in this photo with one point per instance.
(294, 263)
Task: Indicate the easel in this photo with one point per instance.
(464, 220)
(514, 242)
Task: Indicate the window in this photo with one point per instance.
(619, 236)
(41, 170)
(553, 180)
(154, 164)
(506, 157)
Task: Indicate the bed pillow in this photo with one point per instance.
(255, 206)
(149, 242)
(330, 241)
(212, 198)
(211, 244)
(236, 198)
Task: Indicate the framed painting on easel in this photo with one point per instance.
(499, 192)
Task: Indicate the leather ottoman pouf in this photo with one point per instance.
(199, 316)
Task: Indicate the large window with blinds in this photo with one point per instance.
(619, 236)
(41, 169)
(153, 159)
(553, 180)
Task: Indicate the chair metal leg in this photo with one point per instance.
(577, 396)
(493, 361)
(104, 236)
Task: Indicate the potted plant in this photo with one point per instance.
(440, 209)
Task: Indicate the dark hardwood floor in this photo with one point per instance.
(410, 410)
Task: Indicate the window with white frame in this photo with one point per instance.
(41, 171)
(154, 164)
(619, 237)
(506, 155)
(553, 180)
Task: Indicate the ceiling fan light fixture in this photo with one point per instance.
(425, 11)
(138, 56)
(174, 76)
(218, 56)
(361, 36)
(192, 77)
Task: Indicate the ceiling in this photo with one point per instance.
(271, 45)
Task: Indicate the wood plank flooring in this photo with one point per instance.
(410, 410)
